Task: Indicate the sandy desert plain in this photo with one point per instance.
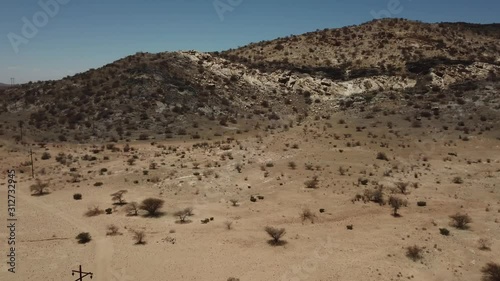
(315, 179)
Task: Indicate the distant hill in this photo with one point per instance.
(387, 46)
(2, 85)
(262, 85)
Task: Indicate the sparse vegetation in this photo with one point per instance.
(112, 230)
(460, 221)
(139, 236)
(484, 244)
(402, 187)
(117, 197)
(491, 272)
(444, 231)
(457, 180)
(84, 238)
(342, 171)
(131, 161)
(372, 195)
(239, 167)
(132, 208)
(152, 206)
(276, 235)
(382, 156)
(39, 188)
(307, 214)
(414, 252)
(228, 224)
(421, 203)
(396, 203)
(385, 112)
(313, 183)
(45, 156)
(183, 214)
(94, 211)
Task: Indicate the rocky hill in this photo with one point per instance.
(389, 46)
(151, 94)
(265, 85)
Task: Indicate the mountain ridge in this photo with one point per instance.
(381, 46)
(269, 83)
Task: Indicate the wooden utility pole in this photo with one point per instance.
(21, 124)
(32, 167)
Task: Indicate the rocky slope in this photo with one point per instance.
(269, 83)
(390, 46)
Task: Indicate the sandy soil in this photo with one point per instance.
(324, 250)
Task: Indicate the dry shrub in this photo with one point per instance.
(396, 203)
(183, 214)
(155, 179)
(94, 211)
(228, 224)
(484, 244)
(152, 206)
(382, 156)
(414, 252)
(39, 188)
(139, 236)
(234, 202)
(132, 208)
(276, 235)
(460, 221)
(83, 238)
(307, 214)
(457, 180)
(402, 187)
(312, 183)
(117, 197)
(112, 230)
(491, 272)
(374, 195)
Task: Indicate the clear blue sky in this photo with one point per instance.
(87, 34)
